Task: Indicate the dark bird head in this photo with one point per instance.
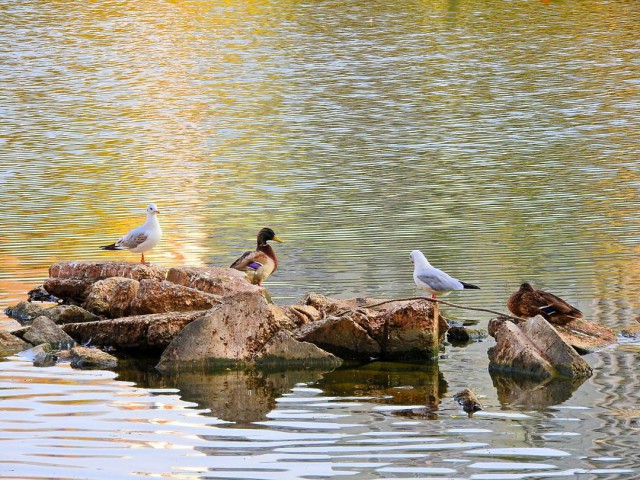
(266, 234)
(526, 287)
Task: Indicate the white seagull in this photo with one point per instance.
(143, 238)
(432, 279)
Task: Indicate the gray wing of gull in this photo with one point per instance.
(132, 239)
(439, 281)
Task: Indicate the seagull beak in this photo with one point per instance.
(278, 240)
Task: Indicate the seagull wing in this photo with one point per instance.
(133, 239)
(439, 280)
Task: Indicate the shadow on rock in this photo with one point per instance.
(525, 391)
(419, 385)
(235, 395)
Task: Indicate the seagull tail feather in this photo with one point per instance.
(468, 285)
(111, 247)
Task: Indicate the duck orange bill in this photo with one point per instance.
(277, 239)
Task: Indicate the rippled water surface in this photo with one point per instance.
(500, 138)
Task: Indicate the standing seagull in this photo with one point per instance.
(432, 279)
(143, 238)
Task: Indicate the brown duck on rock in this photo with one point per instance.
(261, 262)
(528, 302)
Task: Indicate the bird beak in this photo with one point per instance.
(278, 240)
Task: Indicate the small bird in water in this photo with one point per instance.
(468, 401)
(143, 238)
(261, 262)
(529, 302)
(433, 280)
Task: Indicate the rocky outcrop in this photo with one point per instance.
(534, 348)
(219, 281)
(42, 355)
(24, 312)
(141, 333)
(404, 330)
(233, 332)
(10, 344)
(87, 358)
(44, 330)
(119, 297)
(70, 281)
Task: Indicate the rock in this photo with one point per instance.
(41, 355)
(40, 294)
(535, 348)
(118, 297)
(111, 297)
(44, 330)
(515, 352)
(219, 281)
(142, 333)
(160, 297)
(405, 330)
(94, 271)
(460, 336)
(301, 315)
(468, 401)
(10, 344)
(283, 349)
(554, 347)
(231, 333)
(61, 314)
(341, 336)
(587, 337)
(69, 290)
(24, 312)
(70, 281)
(83, 357)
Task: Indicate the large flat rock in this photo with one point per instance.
(140, 333)
(216, 280)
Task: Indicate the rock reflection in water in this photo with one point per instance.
(391, 384)
(238, 395)
(531, 393)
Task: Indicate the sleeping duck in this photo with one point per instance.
(261, 262)
(529, 302)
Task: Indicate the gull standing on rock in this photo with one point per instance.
(143, 238)
(434, 280)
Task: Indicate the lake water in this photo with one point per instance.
(500, 138)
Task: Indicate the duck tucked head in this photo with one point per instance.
(526, 287)
(266, 234)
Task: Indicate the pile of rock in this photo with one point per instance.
(214, 316)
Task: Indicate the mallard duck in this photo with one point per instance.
(432, 279)
(143, 238)
(261, 262)
(529, 302)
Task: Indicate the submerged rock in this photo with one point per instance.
(42, 355)
(83, 357)
(141, 332)
(44, 330)
(534, 348)
(10, 344)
